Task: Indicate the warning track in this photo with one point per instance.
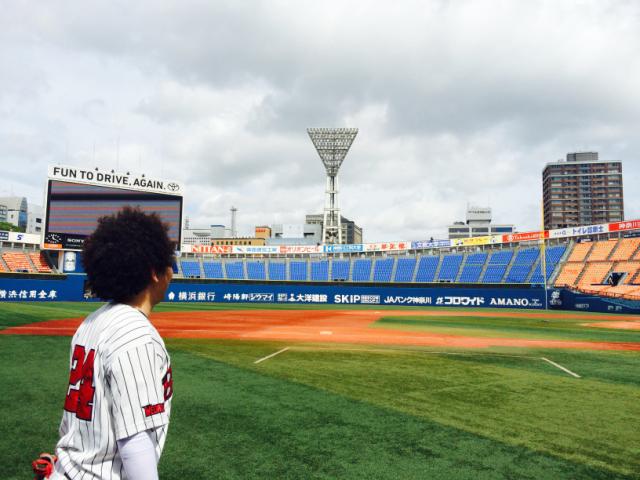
(326, 326)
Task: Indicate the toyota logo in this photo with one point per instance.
(174, 187)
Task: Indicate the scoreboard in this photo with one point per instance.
(77, 198)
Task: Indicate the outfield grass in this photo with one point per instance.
(345, 411)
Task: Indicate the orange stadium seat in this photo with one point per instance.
(39, 261)
(626, 249)
(17, 262)
(579, 252)
(569, 274)
(601, 250)
(594, 273)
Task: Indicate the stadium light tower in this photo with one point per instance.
(332, 144)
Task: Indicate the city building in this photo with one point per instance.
(35, 219)
(477, 224)
(3, 213)
(582, 190)
(295, 234)
(263, 231)
(17, 213)
(203, 236)
(351, 233)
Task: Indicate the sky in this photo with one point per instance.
(457, 102)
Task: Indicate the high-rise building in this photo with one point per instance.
(16, 211)
(582, 190)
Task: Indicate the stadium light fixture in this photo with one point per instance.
(332, 144)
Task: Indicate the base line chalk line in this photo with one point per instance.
(557, 365)
(272, 355)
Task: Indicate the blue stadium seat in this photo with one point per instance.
(427, 268)
(478, 258)
(553, 256)
(298, 271)
(494, 273)
(256, 271)
(527, 256)
(501, 257)
(320, 271)
(361, 270)
(404, 271)
(190, 269)
(450, 268)
(518, 273)
(277, 271)
(235, 270)
(213, 270)
(382, 270)
(470, 273)
(340, 270)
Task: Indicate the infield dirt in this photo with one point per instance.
(339, 326)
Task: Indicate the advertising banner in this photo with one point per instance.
(339, 248)
(386, 247)
(19, 237)
(68, 173)
(423, 244)
(622, 226)
(300, 249)
(577, 231)
(524, 237)
(256, 249)
(211, 249)
(465, 242)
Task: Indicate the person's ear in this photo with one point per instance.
(154, 277)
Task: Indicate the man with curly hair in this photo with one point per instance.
(116, 412)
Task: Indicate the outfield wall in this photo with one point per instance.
(30, 288)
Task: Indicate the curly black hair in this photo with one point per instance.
(124, 251)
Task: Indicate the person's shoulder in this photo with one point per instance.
(124, 328)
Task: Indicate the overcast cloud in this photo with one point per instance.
(457, 102)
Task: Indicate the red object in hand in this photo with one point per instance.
(43, 466)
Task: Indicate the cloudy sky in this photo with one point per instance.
(457, 102)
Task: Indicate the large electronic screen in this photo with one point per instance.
(73, 210)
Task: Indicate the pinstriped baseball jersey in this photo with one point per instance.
(120, 384)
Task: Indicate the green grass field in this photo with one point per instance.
(357, 411)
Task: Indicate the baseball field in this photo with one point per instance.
(337, 392)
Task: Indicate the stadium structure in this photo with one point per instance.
(594, 268)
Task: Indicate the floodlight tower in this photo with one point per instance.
(332, 144)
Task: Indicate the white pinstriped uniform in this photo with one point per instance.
(127, 391)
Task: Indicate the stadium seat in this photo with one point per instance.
(501, 257)
(340, 270)
(470, 273)
(256, 271)
(320, 271)
(594, 273)
(190, 268)
(494, 273)
(579, 252)
(478, 258)
(569, 274)
(404, 271)
(450, 268)
(625, 249)
(601, 250)
(213, 270)
(361, 270)
(382, 270)
(235, 270)
(40, 262)
(277, 271)
(427, 267)
(298, 271)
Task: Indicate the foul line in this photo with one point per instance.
(272, 355)
(560, 367)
